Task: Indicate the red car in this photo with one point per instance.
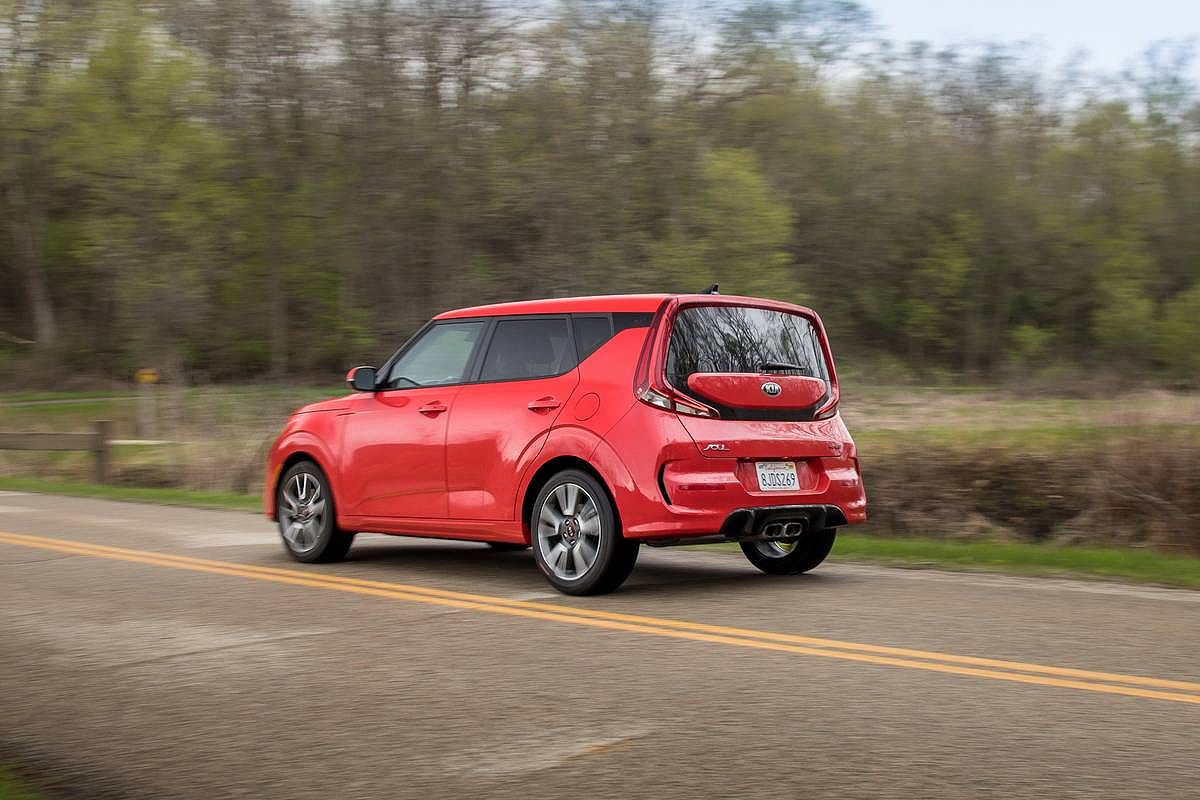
(584, 427)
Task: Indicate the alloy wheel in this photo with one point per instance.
(568, 531)
(775, 549)
(302, 512)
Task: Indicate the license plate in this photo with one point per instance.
(777, 476)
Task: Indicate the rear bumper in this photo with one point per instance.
(672, 492)
(766, 523)
(779, 522)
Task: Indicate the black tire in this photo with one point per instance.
(809, 551)
(614, 555)
(507, 547)
(320, 540)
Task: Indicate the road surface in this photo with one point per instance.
(163, 652)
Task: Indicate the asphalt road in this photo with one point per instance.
(166, 652)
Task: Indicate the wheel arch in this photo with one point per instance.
(547, 470)
(289, 461)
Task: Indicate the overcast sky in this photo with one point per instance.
(1113, 32)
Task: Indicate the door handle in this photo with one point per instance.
(544, 404)
(433, 408)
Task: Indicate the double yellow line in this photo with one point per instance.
(988, 668)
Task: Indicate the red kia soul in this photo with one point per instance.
(584, 428)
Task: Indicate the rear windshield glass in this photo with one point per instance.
(742, 339)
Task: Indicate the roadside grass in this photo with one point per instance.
(12, 788)
(1141, 565)
(1046, 438)
(1046, 560)
(81, 412)
(225, 501)
(41, 397)
(1077, 561)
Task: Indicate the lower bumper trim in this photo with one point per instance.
(765, 523)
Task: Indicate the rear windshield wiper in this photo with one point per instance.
(780, 366)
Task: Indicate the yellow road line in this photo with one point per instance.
(677, 629)
(786, 638)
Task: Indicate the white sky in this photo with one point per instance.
(1112, 32)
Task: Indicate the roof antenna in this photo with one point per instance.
(711, 290)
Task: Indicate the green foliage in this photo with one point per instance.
(1030, 345)
(733, 225)
(1179, 334)
(244, 189)
(13, 788)
(936, 296)
(1124, 321)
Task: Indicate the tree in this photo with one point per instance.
(734, 231)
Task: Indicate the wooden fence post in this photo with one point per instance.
(101, 449)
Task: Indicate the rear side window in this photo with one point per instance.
(522, 349)
(590, 334)
(438, 358)
(742, 339)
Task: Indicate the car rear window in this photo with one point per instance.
(742, 339)
(591, 333)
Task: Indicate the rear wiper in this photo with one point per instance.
(780, 366)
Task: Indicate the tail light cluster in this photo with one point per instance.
(649, 387)
(830, 407)
(673, 401)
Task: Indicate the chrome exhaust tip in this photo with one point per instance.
(773, 530)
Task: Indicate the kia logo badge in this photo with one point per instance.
(772, 389)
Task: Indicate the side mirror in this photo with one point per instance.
(361, 379)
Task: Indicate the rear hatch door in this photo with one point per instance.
(765, 371)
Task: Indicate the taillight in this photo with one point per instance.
(650, 389)
(673, 401)
(830, 408)
(655, 399)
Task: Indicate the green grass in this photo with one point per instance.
(170, 497)
(37, 397)
(1030, 438)
(84, 410)
(12, 788)
(1142, 566)
(1125, 564)
(81, 408)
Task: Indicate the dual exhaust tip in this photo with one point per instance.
(782, 530)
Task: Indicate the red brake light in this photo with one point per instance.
(670, 400)
(830, 408)
(648, 385)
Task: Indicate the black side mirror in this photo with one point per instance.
(361, 379)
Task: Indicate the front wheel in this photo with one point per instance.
(576, 542)
(791, 558)
(304, 506)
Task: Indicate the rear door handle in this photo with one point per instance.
(544, 404)
(433, 408)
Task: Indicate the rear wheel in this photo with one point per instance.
(576, 542)
(304, 506)
(791, 558)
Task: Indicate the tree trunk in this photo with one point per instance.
(26, 227)
(279, 303)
